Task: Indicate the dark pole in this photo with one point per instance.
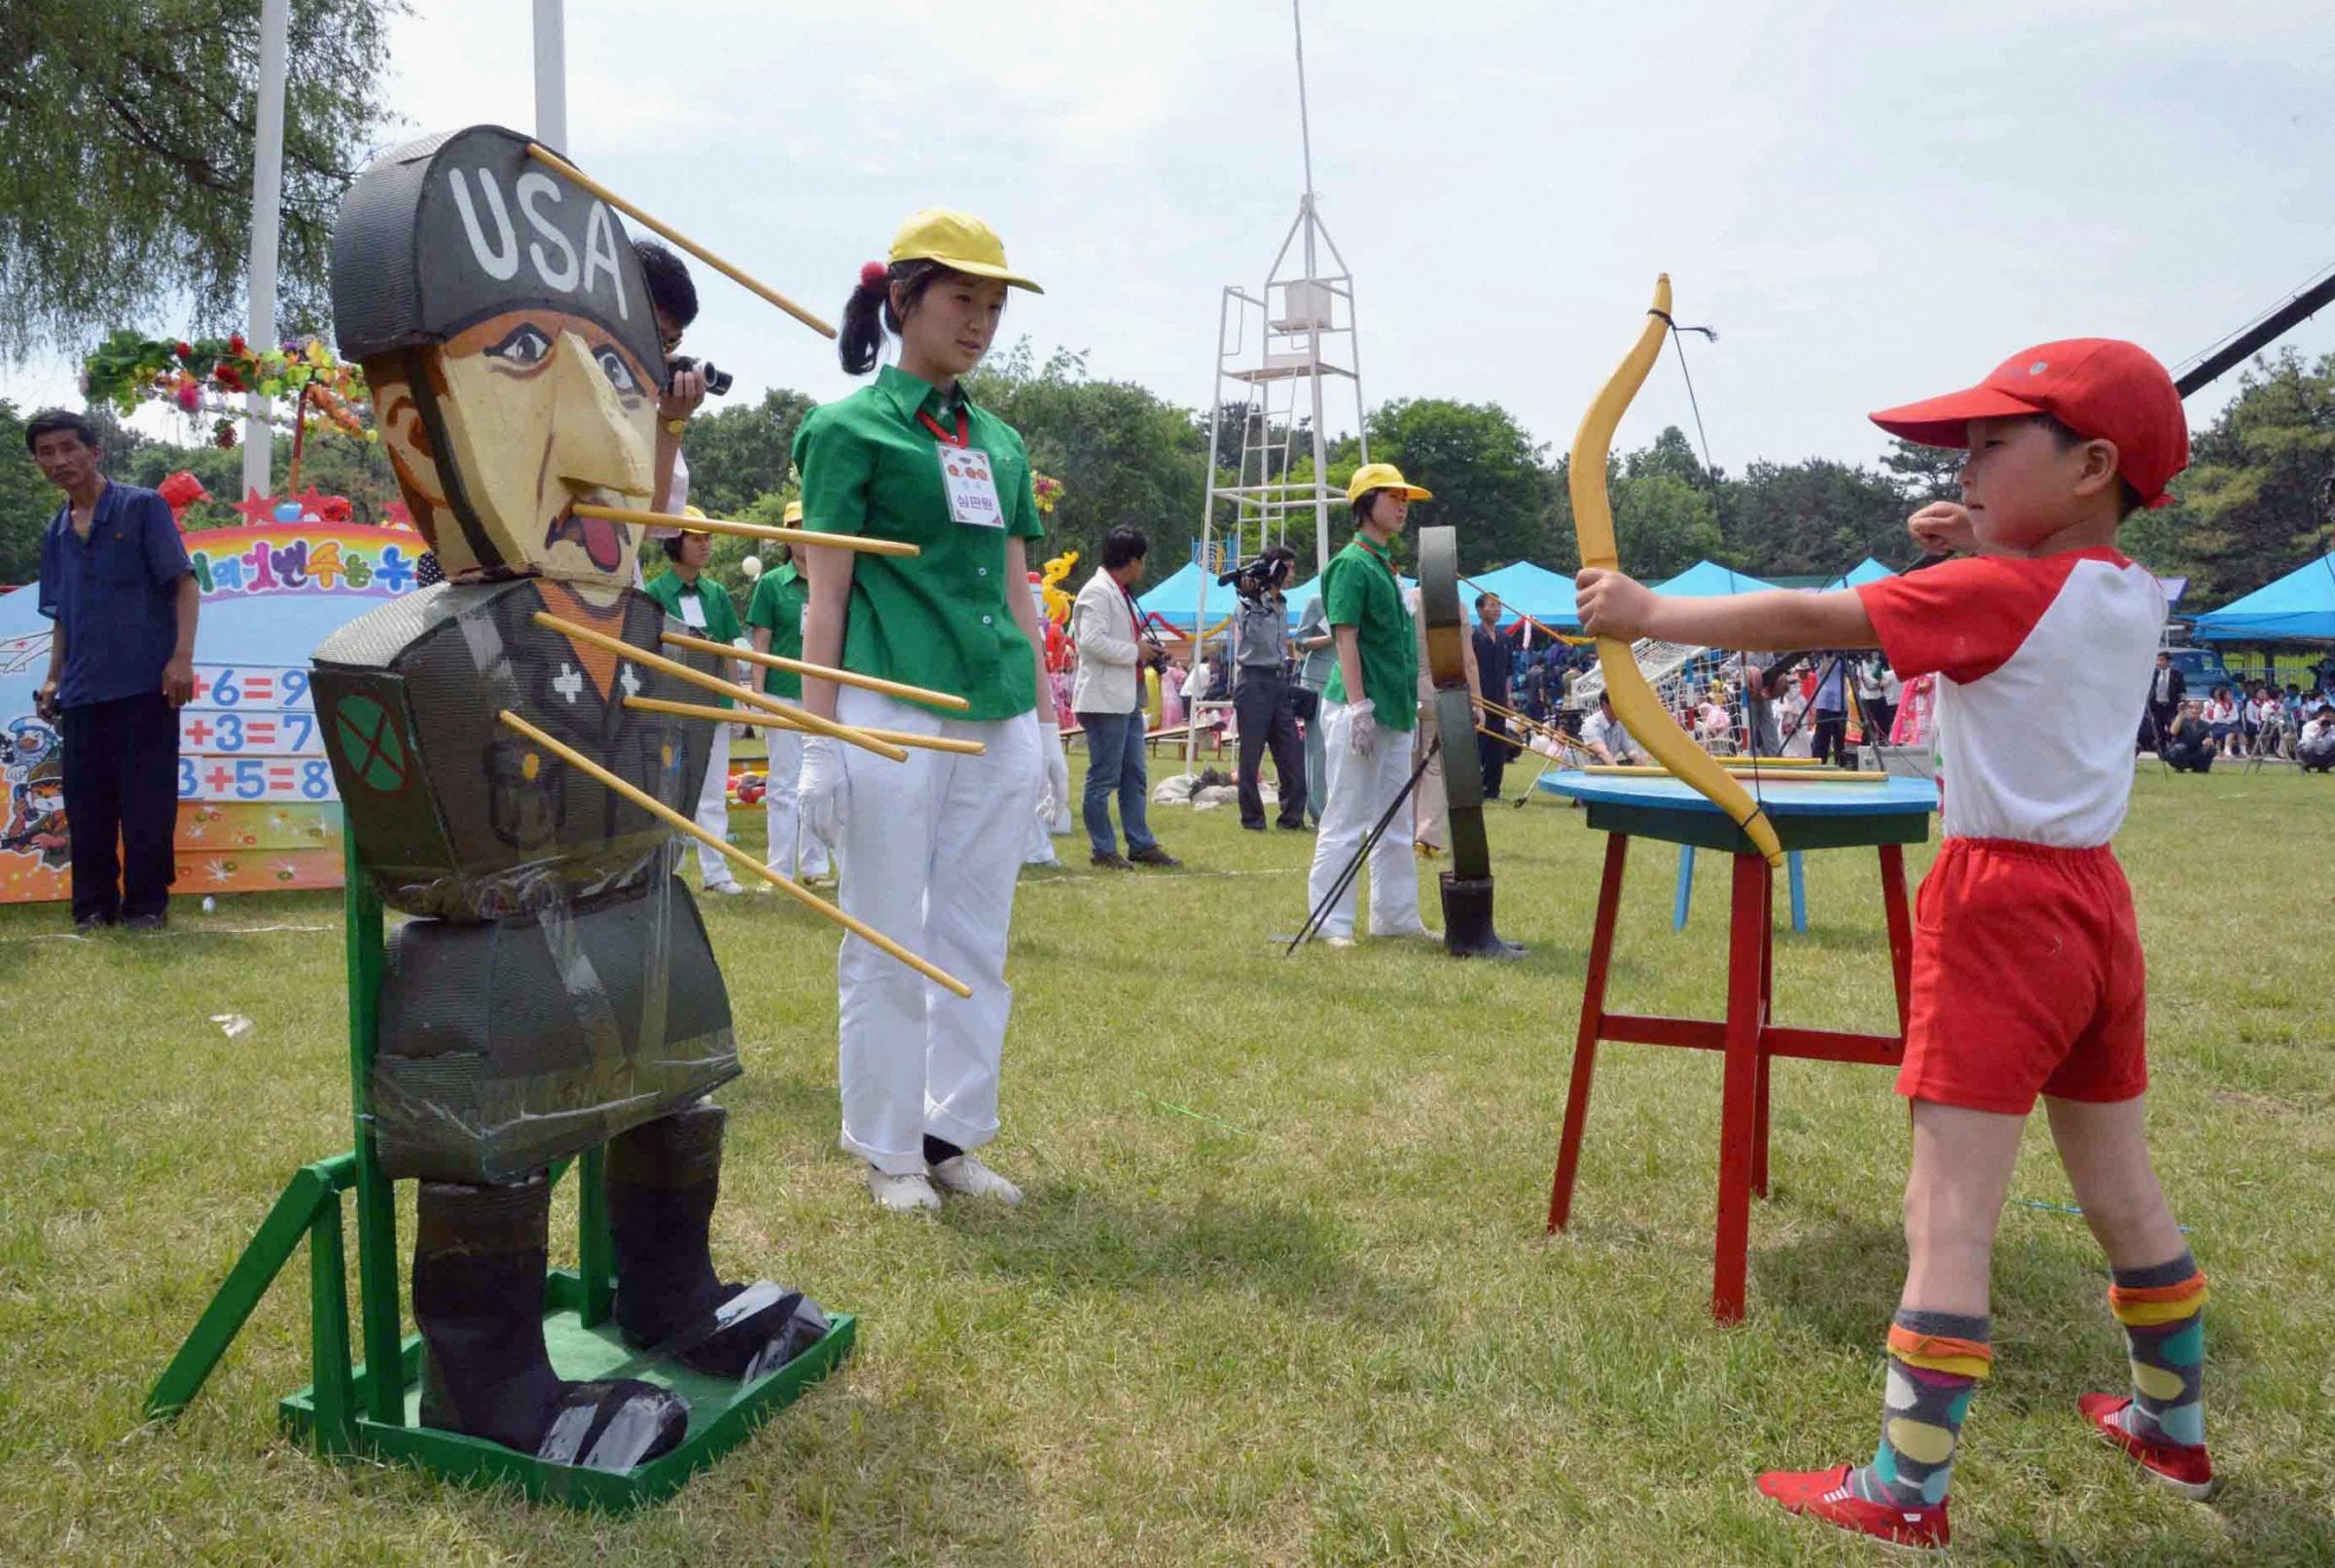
(2271, 328)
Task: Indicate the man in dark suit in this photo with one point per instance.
(1496, 672)
(2165, 689)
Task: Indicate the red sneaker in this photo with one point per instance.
(1824, 1494)
(2176, 1467)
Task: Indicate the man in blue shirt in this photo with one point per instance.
(116, 580)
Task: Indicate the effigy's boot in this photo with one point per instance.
(1467, 931)
(662, 1179)
(479, 1259)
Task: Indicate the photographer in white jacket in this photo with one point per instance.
(1107, 697)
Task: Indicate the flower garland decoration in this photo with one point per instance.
(1049, 491)
(207, 375)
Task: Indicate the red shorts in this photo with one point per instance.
(2028, 980)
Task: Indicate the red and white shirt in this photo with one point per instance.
(2043, 669)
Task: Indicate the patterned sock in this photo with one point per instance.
(1935, 1362)
(2163, 1310)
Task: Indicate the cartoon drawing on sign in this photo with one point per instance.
(32, 771)
(555, 991)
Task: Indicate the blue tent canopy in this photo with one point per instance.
(1865, 571)
(1176, 600)
(1546, 596)
(1709, 579)
(2299, 607)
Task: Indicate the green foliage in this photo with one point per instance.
(125, 133)
(2259, 495)
(27, 501)
(738, 454)
(1815, 518)
(1124, 457)
(1662, 524)
(1482, 466)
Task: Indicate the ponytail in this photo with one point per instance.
(868, 314)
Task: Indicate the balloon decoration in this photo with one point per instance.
(212, 375)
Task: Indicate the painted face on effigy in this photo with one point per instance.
(515, 368)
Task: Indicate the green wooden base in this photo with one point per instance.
(722, 1413)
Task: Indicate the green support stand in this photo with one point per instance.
(349, 1411)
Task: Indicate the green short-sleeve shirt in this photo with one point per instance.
(940, 618)
(718, 615)
(777, 608)
(1359, 589)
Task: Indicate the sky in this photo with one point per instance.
(1871, 202)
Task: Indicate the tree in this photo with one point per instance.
(27, 501)
(1813, 518)
(1924, 474)
(1123, 455)
(2259, 493)
(1485, 470)
(743, 453)
(1669, 454)
(125, 154)
(1662, 524)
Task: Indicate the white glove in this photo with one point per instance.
(1054, 766)
(1362, 728)
(821, 791)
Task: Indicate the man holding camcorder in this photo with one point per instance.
(1264, 704)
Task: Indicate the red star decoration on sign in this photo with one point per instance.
(311, 502)
(397, 515)
(257, 508)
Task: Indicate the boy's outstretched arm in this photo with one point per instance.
(1611, 604)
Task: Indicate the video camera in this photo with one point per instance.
(1268, 571)
(717, 381)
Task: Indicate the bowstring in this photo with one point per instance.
(1710, 475)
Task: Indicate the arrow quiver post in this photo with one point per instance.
(1467, 928)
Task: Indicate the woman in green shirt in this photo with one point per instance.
(703, 607)
(774, 619)
(930, 847)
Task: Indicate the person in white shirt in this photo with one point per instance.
(1108, 700)
(2315, 750)
(1607, 739)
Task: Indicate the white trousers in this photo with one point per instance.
(713, 809)
(931, 850)
(1361, 788)
(791, 852)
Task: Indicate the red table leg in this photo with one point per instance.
(1737, 1103)
(1901, 927)
(1584, 1040)
(1767, 1010)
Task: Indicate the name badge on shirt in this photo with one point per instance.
(692, 611)
(972, 488)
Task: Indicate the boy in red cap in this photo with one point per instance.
(2028, 973)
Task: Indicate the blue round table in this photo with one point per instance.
(1887, 816)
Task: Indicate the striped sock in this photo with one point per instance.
(1935, 1362)
(2163, 1310)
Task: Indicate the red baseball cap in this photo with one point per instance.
(2102, 388)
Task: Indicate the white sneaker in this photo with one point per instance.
(727, 890)
(1338, 942)
(901, 1195)
(964, 1174)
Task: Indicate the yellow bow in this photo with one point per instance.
(1633, 702)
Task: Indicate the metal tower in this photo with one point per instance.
(1273, 351)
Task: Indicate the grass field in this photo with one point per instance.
(1279, 1292)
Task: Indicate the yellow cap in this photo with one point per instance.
(794, 515)
(957, 240)
(1383, 477)
(692, 512)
